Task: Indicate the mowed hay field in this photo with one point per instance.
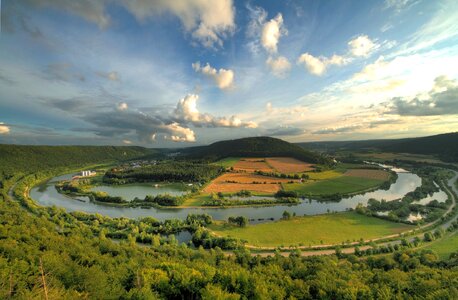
(288, 165)
(234, 182)
(313, 230)
(252, 164)
(368, 173)
(445, 246)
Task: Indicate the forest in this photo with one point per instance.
(47, 251)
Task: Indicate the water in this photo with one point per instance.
(47, 195)
(141, 190)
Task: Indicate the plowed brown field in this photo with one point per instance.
(288, 165)
(234, 182)
(366, 173)
(252, 164)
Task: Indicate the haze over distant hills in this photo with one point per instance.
(445, 146)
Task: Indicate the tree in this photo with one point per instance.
(286, 215)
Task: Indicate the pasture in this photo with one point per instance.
(227, 162)
(312, 230)
(342, 185)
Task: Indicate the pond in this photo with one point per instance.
(47, 195)
(141, 190)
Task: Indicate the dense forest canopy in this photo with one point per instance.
(254, 147)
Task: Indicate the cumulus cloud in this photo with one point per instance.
(4, 129)
(208, 21)
(187, 112)
(441, 100)
(279, 66)
(362, 46)
(271, 33)
(223, 78)
(122, 106)
(113, 76)
(127, 142)
(318, 65)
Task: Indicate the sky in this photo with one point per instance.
(165, 73)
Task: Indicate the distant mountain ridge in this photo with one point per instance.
(444, 146)
(253, 147)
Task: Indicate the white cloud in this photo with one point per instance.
(208, 21)
(122, 106)
(4, 129)
(362, 46)
(271, 33)
(127, 142)
(187, 112)
(223, 78)
(179, 133)
(318, 65)
(279, 66)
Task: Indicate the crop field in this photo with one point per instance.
(324, 175)
(234, 182)
(368, 173)
(252, 164)
(325, 229)
(288, 165)
(227, 162)
(403, 156)
(342, 185)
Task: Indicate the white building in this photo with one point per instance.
(87, 173)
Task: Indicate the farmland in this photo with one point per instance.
(342, 185)
(252, 164)
(314, 230)
(445, 246)
(234, 182)
(369, 174)
(288, 165)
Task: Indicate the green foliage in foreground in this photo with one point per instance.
(65, 255)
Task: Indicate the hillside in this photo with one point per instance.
(33, 158)
(444, 146)
(253, 147)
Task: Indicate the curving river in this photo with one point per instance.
(46, 195)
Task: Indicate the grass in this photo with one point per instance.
(323, 175)
(196, 200)
(227, 162)
(445, 246)
(342, 185)
(313, 230)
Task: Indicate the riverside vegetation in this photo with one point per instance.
(49, 252)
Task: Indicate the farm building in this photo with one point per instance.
(87, 173)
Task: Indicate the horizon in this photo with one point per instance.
(174, 75)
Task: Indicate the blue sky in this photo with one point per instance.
(182, 73)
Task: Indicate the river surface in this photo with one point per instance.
(46, 195)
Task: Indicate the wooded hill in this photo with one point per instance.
(444, 146)
(19, 158)
(253, 147)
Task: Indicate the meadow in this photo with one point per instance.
(321, 229)
(445, 246)
(341, 185)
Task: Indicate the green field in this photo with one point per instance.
(445, 246)
(313, 230)
(342, 185)
(227, 162)
(323, 175)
